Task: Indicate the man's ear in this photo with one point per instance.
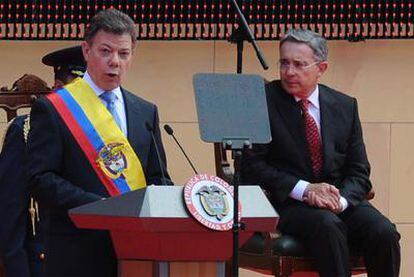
(85, 50)
(323, 66)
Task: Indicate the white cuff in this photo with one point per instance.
(299, 189)
(344, 203)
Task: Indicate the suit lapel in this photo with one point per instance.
(328, 125)
(292, 117)
(132, 111)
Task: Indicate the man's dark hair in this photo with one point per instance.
(111, 21)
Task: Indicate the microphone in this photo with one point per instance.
(160, 162)
(170, 131)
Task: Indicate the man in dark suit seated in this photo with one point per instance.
(316, 168)
(89, 141)
(22, 238)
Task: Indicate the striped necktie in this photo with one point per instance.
(313, 138)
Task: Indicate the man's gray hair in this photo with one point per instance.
(111, 21)
(316, 42)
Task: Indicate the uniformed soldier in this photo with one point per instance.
(67, 63)
(24, 226)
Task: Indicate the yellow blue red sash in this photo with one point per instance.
(104, 144)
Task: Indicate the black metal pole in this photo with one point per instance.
(242, 33)
(236, 223)
(240, 46)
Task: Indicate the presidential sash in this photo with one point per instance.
(104, 144)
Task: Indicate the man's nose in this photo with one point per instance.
(114, 60)
(290, 70)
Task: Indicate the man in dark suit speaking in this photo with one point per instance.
(316, 168)
(89, 140)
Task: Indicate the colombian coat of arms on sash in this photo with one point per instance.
(112, 160)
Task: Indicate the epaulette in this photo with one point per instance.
(26, 128)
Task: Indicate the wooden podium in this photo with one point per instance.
(153, 225)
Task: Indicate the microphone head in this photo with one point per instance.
(168, 129)
(148, 126)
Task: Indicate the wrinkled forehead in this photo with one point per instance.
(102, 37)
(296, 51)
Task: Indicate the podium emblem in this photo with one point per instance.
(214, 201)
(209, 200)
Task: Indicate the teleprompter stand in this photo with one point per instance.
(232, 110)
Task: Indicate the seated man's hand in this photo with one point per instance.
(323, 195)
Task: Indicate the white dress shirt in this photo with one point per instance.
(119, 103)
(314, 111)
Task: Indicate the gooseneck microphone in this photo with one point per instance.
(170, 131)
(160, 162)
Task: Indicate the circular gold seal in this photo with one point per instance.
(209, 199)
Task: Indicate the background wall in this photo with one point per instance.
(377, 73)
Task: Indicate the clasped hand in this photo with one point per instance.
(323, 195)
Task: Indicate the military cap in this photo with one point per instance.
(66, 61)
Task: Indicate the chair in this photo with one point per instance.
(11, 101)
(22, 94)
(274, 253)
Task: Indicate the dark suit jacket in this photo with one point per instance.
(279, 165)
(21, 248)
(14, 198)
(62, 178)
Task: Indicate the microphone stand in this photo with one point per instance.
(157, 151)
(242, 33)
(170, 132)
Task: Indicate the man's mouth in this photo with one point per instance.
(291, 83)
(111, 75)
